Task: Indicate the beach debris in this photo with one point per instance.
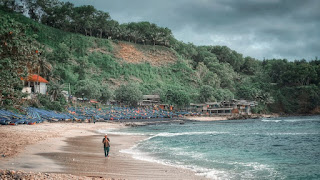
(13, 175)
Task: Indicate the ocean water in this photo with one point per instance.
(279, 148)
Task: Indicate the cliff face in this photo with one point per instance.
(134, 53)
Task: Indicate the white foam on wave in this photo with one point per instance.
(208, 173)
(201, 171)
(166, 134)
(292, 133)
(298, 120)
(176, 151)
(122, 133)
(214, 174)
(257, 167)
(276, 120)
(205, 172)
(279, 134)
(291, 120)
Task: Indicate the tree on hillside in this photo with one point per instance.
(162, 36)
(226, 74)
(87, 18)
(250, 66)
(248, 91)
(143, 29)
(84, 19)
(105, 94)
(33, 9)
(186, 50)
(207, 77)
(61, 54)
(101, 20)
(299, 74)
(206, 93)
(129, 94)
(53, 13)
(89, 21)
(135, 33)
(111, 28)
(177, 97)
(55, 90)
(275, 69)
(44, 68)
(226, 55)
(204, 55)
(88, 88)
(223, 94)
(11, 5)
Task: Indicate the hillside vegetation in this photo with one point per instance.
(100, 63)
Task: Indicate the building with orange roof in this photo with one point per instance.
(34, 84)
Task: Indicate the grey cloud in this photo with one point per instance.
(257, 28)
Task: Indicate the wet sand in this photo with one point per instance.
(79, 151)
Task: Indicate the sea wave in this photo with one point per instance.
(292, 133)
(298, 120)
(290, 120)
(204, 172)
(167, 134)
(279, 134)
(264, 120)
(123, 133)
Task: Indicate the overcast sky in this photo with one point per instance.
(258, 28)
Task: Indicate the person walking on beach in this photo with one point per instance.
(93, 119)
(106, 145)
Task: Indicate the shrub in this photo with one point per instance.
(129, 94)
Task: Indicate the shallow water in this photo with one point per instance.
(279, 148)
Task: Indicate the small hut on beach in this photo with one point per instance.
(34, 84)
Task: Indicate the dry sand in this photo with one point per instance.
(60, 149)
(15, 138)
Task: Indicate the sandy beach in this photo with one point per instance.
(75, 151)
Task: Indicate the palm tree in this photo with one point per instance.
(55, 89)
(44, 67)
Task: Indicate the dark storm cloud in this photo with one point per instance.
(257, 28)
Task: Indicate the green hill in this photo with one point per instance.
(181, 73)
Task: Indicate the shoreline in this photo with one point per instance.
(231, 117)
(70, 150)
(182, 120)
